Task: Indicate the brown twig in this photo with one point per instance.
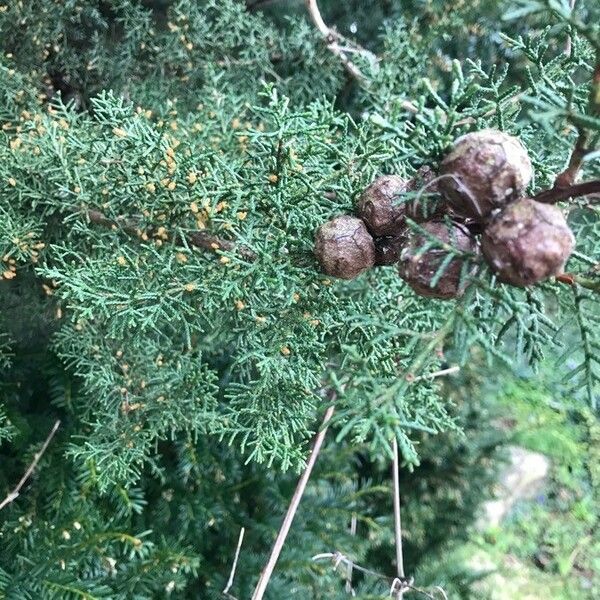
(234, 565)
(569, 175)
(573, 279)
(198, 239)
(266, 573)
(332, 39)
(36, 459)
(556, 194)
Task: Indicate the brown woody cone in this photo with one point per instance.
(419, 268)
(380, 207)
(344, 247)
(484, 171)
(527, 243)
(383, 210)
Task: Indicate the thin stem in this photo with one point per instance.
(587, 347)
(332, 38)
(441, 591)
(349, 588)
(199, 239)
(577, 280)
(569, 175)
(234, 565)
(442, 373)
(317, 19)
(339, 558)
(397, 517)
(569, 44)
(36, 459)
(581, 150)
(265, 576)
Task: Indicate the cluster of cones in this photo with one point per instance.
(436, 227)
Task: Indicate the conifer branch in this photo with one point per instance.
(333, 39)
(568, 177)
(491, 112)
(235, 360)
(420, 360)
(265, 576)
(198, 239)
(586, 342)
(36, 459)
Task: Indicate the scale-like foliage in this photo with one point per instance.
(163, 169)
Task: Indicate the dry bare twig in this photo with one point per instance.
(266, 573)
(436, 374)
(332, 38)
(398, 586)
(569, 44)
(338, 558)
(36, 459)
(349, 588)
(234, 565)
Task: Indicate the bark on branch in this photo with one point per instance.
(198, 239)
(568, 177)
(556, 194)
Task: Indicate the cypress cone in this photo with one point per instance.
(484, 171)
(384, 212)
(527, 243)
(379, 206)
(419, 268)
(344, 247)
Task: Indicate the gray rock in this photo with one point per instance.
(523, 478)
